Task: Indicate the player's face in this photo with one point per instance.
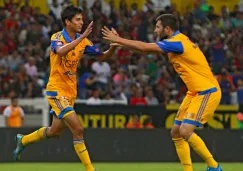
(77, 23)
(160, 31)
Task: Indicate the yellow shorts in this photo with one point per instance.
(61, 106)
(196, 109)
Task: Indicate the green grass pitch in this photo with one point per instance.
(111, 166)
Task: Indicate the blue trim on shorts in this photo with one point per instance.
(177, 122)
(198, 124)
(51, 93)
(63, 112)
(211, 90)
(52, 112)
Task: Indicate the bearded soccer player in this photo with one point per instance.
(203, 94)
(67, 47)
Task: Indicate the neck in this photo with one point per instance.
(170, 34)
(71, 33)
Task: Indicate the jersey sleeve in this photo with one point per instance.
(90, 49)
(7, 112)
(22, 112)
(55, 41)
(171, 46)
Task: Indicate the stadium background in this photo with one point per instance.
(133, 84)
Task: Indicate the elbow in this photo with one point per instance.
(60, 53)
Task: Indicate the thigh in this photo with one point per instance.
(202, 108)
(183, 108)
(73, 122)
(61, 106)
(58, 126)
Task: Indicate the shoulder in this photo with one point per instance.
(176, 38)
(7, 108)
(56, 36)
(88, 42)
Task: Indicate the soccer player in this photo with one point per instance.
(67, 47)
(203, 94)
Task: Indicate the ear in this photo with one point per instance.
(168, 28)
(67, 22)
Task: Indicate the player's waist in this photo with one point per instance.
(208, 91)
(58, 94)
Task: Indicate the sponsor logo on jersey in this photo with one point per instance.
(68, 73)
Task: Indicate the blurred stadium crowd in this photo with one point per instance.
(139, 79)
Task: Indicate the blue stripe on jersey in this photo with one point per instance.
(54, 44)
(92, 50)
(211, 90)
(51, 93)
(198, 124)
(63, 112)
(175, 47)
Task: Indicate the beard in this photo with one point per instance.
(163, 37)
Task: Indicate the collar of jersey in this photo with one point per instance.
(175, 33)
(66, 36)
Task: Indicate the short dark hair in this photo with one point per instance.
(169, 20)
(68, 12)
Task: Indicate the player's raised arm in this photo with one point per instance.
(131, 44)
(63, 50)
(107, 54)
(93, 50)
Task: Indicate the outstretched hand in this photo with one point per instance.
(110, 35)
(88, 30)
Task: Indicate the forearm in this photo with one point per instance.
(134, 50)
(107, 54)
(134, 45)
(63, 50)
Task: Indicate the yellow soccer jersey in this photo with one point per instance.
(62, 80)
(190, 63)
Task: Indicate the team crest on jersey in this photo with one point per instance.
(57, 36)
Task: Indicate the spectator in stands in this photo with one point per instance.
(108, 100)
(121, 79)
(102, 70)
(31, 68)
(240, 91)
(95, 99)
(235, 11)
(86, 83)
(226, 89)
(134, 122)
(14, 114)
(14, 60)
(138, 99)
(121, 94)
(148, 123)
(55, 11)
(150, 99)
(25, 33)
